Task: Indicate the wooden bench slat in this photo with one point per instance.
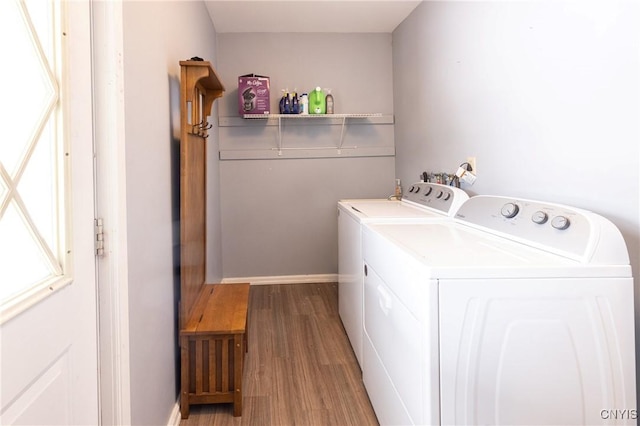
(199, 365)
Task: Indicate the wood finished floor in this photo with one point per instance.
(300, 368)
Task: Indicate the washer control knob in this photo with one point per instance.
(560, 222)
(510, 210)
(417, 189)
(440, 194)
(539, 217)
(428, 190)
(412, 188)
(446, 196)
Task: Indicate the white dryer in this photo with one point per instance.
(423, 202)
(516, 312)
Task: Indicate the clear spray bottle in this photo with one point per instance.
(329, 102)
(398, 192)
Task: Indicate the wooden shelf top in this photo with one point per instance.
(210, 82)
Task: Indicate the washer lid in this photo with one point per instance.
(453, 250)
(386, 209)
(567, 231)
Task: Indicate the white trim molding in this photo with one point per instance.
(175, 417)
(109, 150)
(284, 279)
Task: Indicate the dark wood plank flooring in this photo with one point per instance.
(300, 368)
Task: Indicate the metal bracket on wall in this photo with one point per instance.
(338, 149)
(341, 117)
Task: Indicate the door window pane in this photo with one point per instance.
(32, 166)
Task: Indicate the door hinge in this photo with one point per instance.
(99, 241)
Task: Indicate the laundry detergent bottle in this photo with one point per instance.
(317, 104)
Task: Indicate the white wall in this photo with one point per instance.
(545, 94)
(157, 35)
(279, 215)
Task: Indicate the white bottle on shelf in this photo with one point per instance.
(303, 104)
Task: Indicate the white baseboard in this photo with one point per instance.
(284, 279)
(174, 418)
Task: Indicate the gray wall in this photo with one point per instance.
(546, 95)
(157, 35)
(279, 215)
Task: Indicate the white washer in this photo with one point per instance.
(423, 202)
(516, 312)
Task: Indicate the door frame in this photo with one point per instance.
(110, 180)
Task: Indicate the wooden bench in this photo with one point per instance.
(212, 344)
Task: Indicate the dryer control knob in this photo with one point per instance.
(510, 210)
(412, 188)
(440, 193)
(560, 222)
(428, 190)
(539, 217)
(446, 196)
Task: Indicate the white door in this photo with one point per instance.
(49, 363)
